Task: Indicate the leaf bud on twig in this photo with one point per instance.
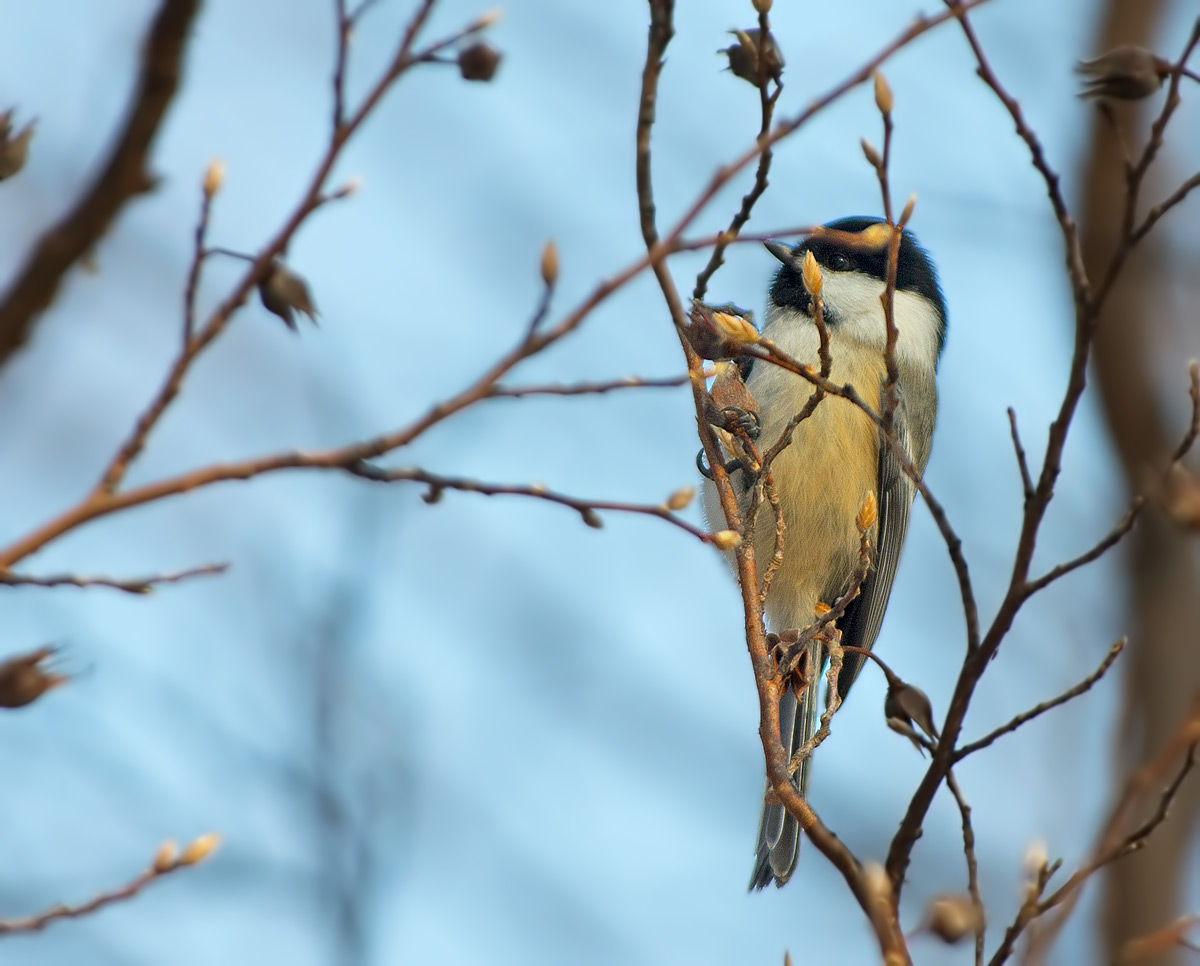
(727, 539)
(200, 849)
(681, 498)
(214, 177)
(883, 94)
(872, 156)
(166, 858)
(810, 274)
(549, 266)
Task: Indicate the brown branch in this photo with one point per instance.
(1026, 716)
(131, 585)
(587, 509)
(123, 177)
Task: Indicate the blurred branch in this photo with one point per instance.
(123, 177)
(1115, 842)
(168, 860)
(131, 585)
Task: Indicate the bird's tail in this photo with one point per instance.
(778, 832)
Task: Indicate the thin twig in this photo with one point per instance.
(1022, 462)
(968, 834)
(587, 509)
(192, 286)
(1110, 540)
(131, 585)
(501, 391)
(1026, 716)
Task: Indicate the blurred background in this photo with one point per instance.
(480, 731)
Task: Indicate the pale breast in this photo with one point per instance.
(821, 479)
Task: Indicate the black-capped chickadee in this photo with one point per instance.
(837, 457)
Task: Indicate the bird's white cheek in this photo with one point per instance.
(857, 302)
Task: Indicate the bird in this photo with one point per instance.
(836, 458)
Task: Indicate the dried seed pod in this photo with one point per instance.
(743, 56)
(1126, 73)
(478, 62)
(906, 704)
(13, 151)
(953, 917)
(24, 679)
(284, 293)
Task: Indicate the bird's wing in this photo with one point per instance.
(895, 492)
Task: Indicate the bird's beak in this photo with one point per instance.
(780, 251)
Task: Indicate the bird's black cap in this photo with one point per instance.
(847, 245)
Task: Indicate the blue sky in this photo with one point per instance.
(546, 732)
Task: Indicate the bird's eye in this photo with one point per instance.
(839, 262)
